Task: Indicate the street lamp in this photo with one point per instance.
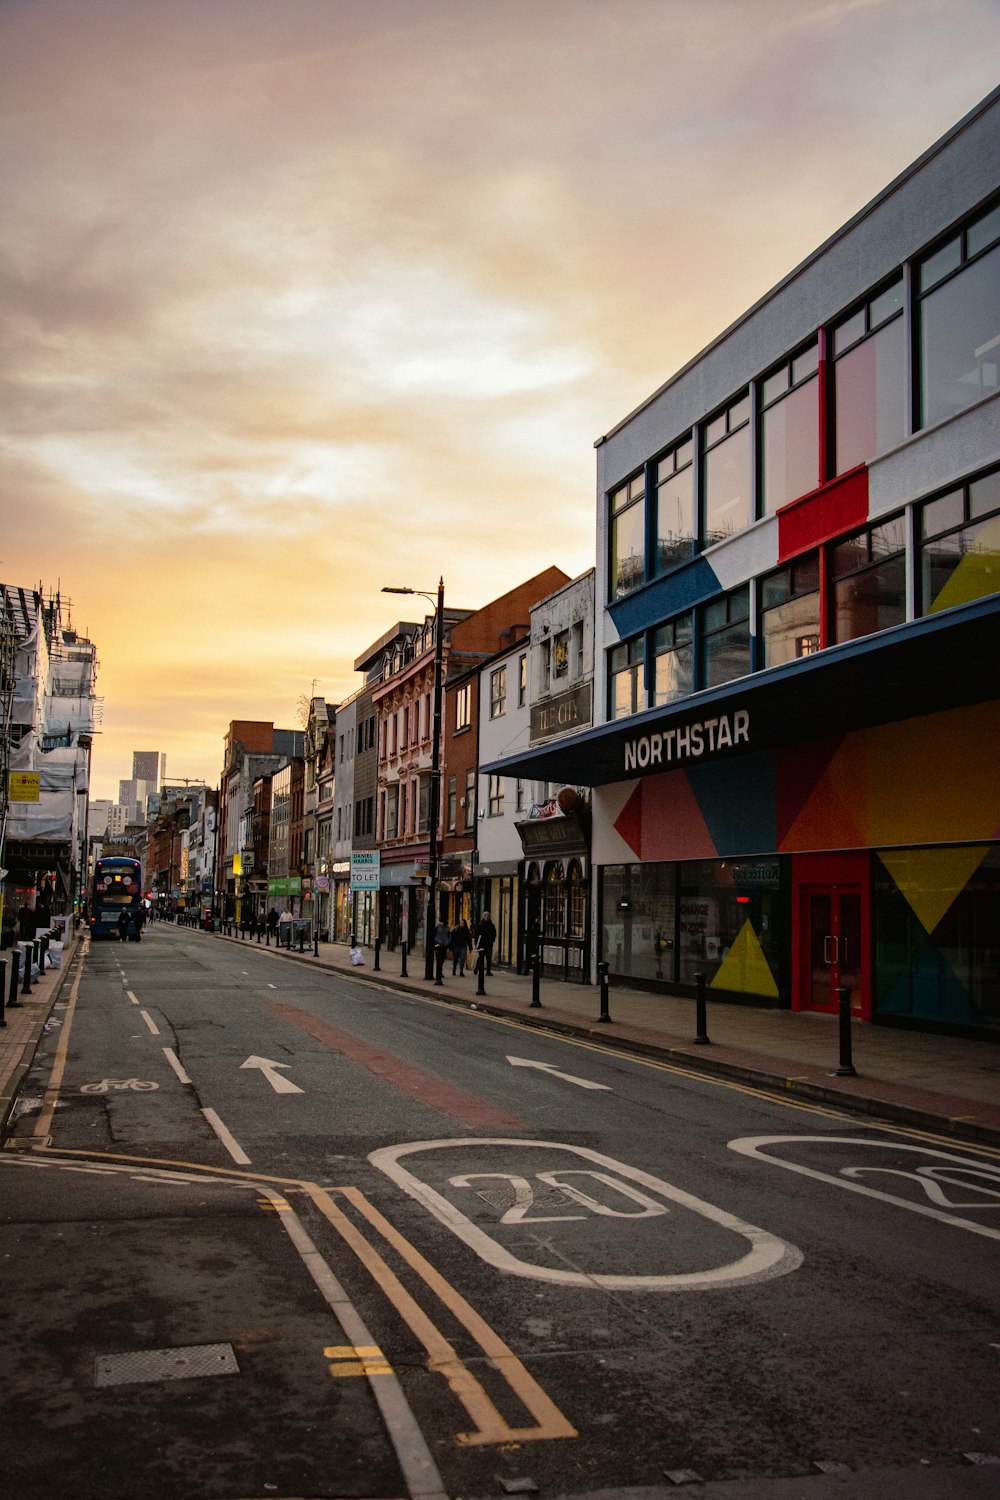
(435, 799)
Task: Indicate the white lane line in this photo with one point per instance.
(174, 1062)
(134, 998)
(232, 1145)
(154, 1029)
(423, 1480)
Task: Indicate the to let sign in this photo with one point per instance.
(365, 869)
(24, 786)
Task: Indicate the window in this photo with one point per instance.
(560, 654)
(960, 545)
(869, 380)
(959, 319)
(463, 707)
(726, 469)
(628, 536)
(520, 794)
(790, 613)
(675, 514)
(470, 798)
(423, 791)
(673, 660)
(522, 680)
(498, 692)
(390, 822)
(452, 803)
(626, 695)
(496, 796)
(868, 571)
(363, 811)
(725, 638)
(789, 429)
(406, 728)
(555, 891)
(576, 649)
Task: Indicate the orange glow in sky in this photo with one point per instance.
(304, 297)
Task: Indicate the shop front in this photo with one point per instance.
(555, 891)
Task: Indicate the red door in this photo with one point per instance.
(830, 934)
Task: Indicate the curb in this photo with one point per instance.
(29, 1047)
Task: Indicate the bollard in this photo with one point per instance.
(302, 940)
(846, 1068)
(536, 980)
(701, 1014)
(3, 990)
(402, 973)
(26, 977)
(289, 943)
(378, 950)
(315, 942)
(259, 927)
(43, 944)
(267, 937)
(602, 974)
(481, 974)
(15, 971)
(439, 956)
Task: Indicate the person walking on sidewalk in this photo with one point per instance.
(460, 943)
(442, 937)
(486, 936)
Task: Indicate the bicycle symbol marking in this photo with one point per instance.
(137, 1085)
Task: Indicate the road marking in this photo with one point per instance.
(230, 1142)
(583, 1083)
(174, 1062)
(442, 1357)
(767, 1257)
(366, 1360)
(50, 1098)
(154, 1029)
(267, 1068)
(752, 1146)
(134, 998)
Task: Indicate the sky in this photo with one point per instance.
(301, 298)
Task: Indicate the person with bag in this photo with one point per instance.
(486, 936)
(460, 943)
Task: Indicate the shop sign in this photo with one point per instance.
(365, 869)
(558, 715)
(688, 741)
(322, 882)
(563, 835)
(25, 786)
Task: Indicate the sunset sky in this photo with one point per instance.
(304, 297)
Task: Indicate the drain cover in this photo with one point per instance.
(150, 1365)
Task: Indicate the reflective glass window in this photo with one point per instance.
(869, 392)
(960, 551)
(626, 694)
(959, 315)
(673, 661)
(789, 430)
(725, 639)
(728, 505)
(790, 614)
(675, 515)
(869, 581)
(628, 538)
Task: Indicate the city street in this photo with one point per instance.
(271, 1231)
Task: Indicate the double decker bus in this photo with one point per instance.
(117, 888)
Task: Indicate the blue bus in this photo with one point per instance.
(117, 888)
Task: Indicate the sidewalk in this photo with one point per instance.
(947, 1084)
(25, 1023)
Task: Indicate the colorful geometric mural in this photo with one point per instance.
(744, 968)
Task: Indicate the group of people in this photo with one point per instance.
(130, 923)
(460, 939)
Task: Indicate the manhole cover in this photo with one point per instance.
(149, 1365)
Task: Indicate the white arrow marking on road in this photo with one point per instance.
(583, 1083)
(279, 1084)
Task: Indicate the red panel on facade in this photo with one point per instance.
(828, 512)
(662, 820)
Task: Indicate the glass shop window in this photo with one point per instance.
(673, 660)
(960, 545)
(628, 537)
(868, 574)
(959, 319)
(627, 693)
(725, 638)
(869, 380)
(789, 429)
(726, 472)
(790, 614)
(676, 530)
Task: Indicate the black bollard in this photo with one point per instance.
(846, 1068)
(15, 971)
(267, 937)
(481, 974)
(536, 980)
(315, 942)
(26, 977)
(402, 973)
(3, 990)
(701, 1014)
(302, 940)
(378, 950)
(439, 957)
(259, 927)
(602, 974)
(43, 944)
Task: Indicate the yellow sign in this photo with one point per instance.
(24, 786)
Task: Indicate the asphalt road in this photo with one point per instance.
(272, 1232)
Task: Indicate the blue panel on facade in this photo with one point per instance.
(671, 595)
(737, 801)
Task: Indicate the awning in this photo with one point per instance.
(938, 662)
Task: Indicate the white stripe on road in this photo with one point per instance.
(174, 1062)
(134, 998)
(155, 1030)
(232, 1145)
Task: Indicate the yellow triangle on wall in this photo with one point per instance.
(930, 879)
(744, 968)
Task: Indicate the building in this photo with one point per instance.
(135, 796)
(797, 626)
(149, 766)
(252, 748)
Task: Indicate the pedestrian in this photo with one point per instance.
(460, 942)
(123, 926)
(272, 921)
(442, 937)
(486, 936)
(25, 922)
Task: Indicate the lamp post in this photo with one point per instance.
(435, 799)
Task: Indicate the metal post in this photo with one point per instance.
(267, 936)
(402, 973)
(701, 1015)
(302, 940)
(536, 979)
(15, 971)
(439, 958)
(26, 978)
(378, 950)
(481, 973)
(846, 1068)
(315, 942)
(3, 990)
(602, 974)
(435, 798)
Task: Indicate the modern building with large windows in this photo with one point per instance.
(795, 759)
